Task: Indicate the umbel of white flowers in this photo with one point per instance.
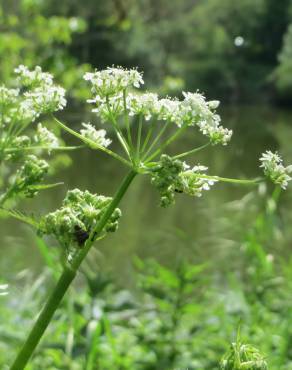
(273, 167)
(43, 95)
(35, 94)
(110, 89)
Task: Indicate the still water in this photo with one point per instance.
(211, 228)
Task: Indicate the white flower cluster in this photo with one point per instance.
(8, 96)
(45, 137)
(42, 96)
(273, 167)
(193, 182)
(33, 78)
(98, 136)
(109, 107)
(193, 110)
(46, 98)
(113, 80)
(169, 110)
(201, 113)
(144, 104)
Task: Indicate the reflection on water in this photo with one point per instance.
(207, 228)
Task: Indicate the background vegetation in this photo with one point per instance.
(237, 50)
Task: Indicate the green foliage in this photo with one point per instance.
(29, 36)
(176, 318)
(233, 54)
(179, 317)
(223, 47)
(31, 173)
(243, 356)
(283, 72)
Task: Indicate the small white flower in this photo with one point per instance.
(193, 181)
(45, 137)
(169, 110)
(273, 167)
(26, 111)
(98, 136)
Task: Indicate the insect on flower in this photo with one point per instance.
(80, 235)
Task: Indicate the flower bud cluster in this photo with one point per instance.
(165, 178)
(77, 218)
(274, 169)
(174, 176)
(30, 174)
(98, 136)
(111, 99)
(243, 356)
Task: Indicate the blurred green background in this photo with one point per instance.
(239, 52)
(235, 50)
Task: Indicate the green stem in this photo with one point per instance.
(92, 144)
(148, 136)
(64, 282)
(28, 148)
(195, 150)
(44, 319)
(127, 123)
(232, 181)
(167, 142)
(156, 139)
(119, 133)
(139, 137)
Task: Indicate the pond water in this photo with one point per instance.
(210, 228)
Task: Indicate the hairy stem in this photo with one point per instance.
(64, 282)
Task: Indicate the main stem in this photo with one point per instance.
(64, 282)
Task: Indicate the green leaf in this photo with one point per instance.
(45, 186)
(30, 220)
